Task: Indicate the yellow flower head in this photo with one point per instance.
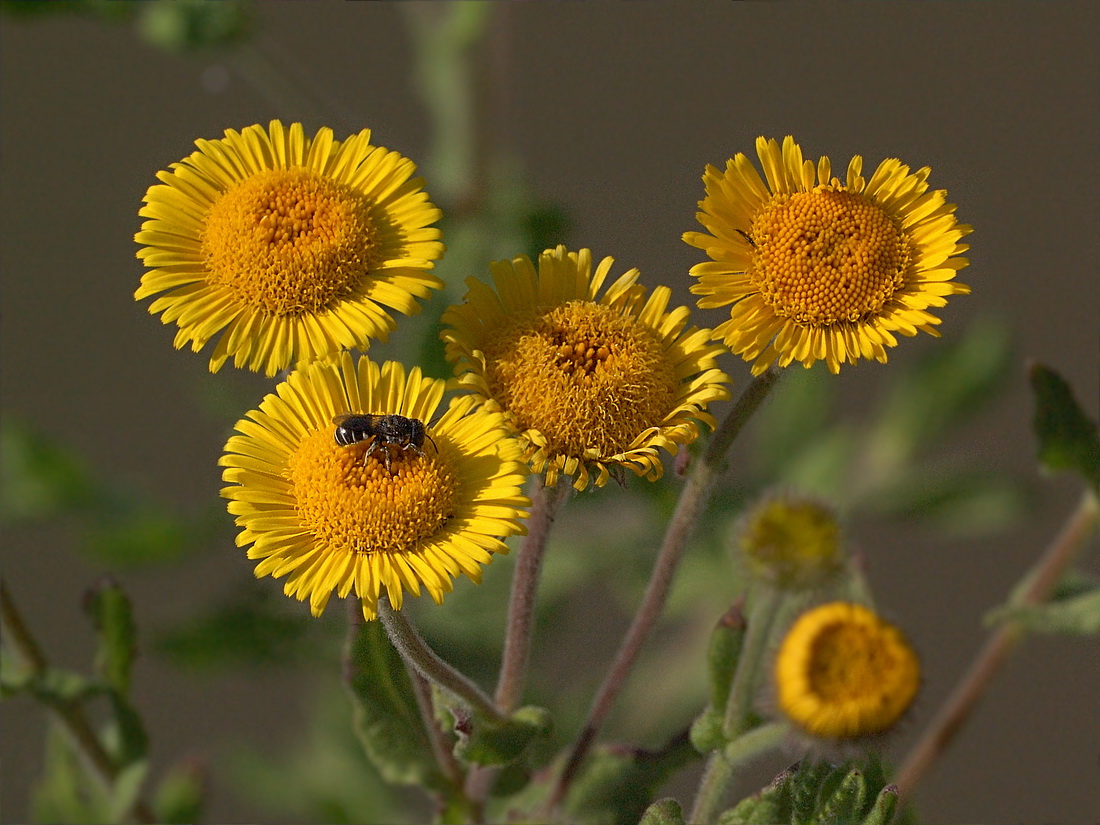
(791, 542)
(290, 248)
(820, 270)
(842, 672)
(396, 513)
(589, 383)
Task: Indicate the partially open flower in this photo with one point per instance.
(791, 542)
(590, 383)
(288, 248)
(842, 672)
(820, 270)
(392, 508)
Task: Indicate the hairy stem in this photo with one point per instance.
(693, 499)
(958, 706)
(521, 603)
(415, 651)
(722, 767)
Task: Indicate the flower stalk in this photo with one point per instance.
(427, 662)
(693, 498)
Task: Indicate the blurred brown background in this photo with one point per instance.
(614, 110)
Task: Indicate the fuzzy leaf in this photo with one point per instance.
(386, 717)
(112, 617)
(618, 783)
(722, 656)
(127, 789)
(485, 742)
(1077, 615)
(663, 812)
(769, 806)
(882, 812)
(1068, 438)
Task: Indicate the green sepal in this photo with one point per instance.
(488, 742)
(386, 717)
(181, 794)
(112, 617)
(663, 812)
(1068, 438)
(618, 783)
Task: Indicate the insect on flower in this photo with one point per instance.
(385, 430)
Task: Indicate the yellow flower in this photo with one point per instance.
(817, 269)
(288, 247)
(791, 542)
(367, 516)
(843, 672)
(588, 383)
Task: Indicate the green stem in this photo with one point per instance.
(693, 499)
(1042, 580)
(428, 664)
(724, 764)
(70, 714)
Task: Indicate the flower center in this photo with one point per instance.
(850, 662)
(793, 542)
(583, 375)
(289, 241)
(354, 504)
(827, 256)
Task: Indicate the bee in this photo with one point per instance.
(384, 430)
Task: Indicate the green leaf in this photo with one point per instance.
(125, 737)
(127, 789)
(882, 812)
(618, 783)
(663, 812)
(722, 655)
(1068, 438)
(768, 806)
(1077, 615)
(815, 793)
(65, 794)
(113, 619)
(487, 742)
(181, 794)
(386, 717)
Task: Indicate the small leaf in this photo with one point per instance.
(113, 619)
(882, 812)
(386, 717)
(769, 806)
(846, 803)
(181, 794)
(1068, 438)
(485, 742)
(1077, 615)
(663, 812)
(127, 789)
(125, 736)
(722, 656)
